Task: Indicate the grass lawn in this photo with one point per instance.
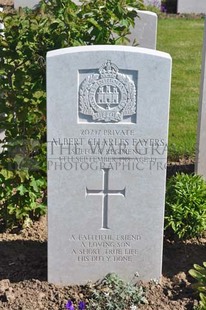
(182, 38)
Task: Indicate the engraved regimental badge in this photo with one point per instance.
(107, 96)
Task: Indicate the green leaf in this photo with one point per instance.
(34, 184)
(22, 189)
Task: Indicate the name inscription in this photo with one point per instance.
(106, 152)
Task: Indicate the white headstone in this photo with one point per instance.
(201, 136)
(25, 3)
(155, 3)
(107, 124)
(145, 31)
(1, 24)
(191, 6)
(2, 136)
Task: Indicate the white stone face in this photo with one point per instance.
(107, 115)
(1, 25)
(145, 31)
(2, 135)
(25, 3)
(191, 6)
(201, 136)
(156, 3)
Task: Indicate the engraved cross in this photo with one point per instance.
(105, 193)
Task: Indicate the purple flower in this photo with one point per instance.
(163, 8)
(81, 305)
(69, 305)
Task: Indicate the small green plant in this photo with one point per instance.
(199, 273)
(112, 293)
(185, 211)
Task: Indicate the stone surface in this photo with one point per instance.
(191, 6)
(200, 166)
(145, 31)
(156, 3)
(107, 110)
(1, 25)
(2, 135)
(25, 3)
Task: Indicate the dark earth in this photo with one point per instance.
(23, 274)
(23, 267)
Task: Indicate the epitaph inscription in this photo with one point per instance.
(105, 193)
(107, 96)
(104, 248)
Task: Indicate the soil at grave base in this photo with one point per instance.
(23, 274)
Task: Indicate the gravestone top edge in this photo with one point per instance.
(108, 48)
(144, 12)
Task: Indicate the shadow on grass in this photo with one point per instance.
(23, 260)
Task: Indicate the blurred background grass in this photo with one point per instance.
(182, 38)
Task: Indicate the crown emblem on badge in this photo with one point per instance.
(107, 97)
(108, 70)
